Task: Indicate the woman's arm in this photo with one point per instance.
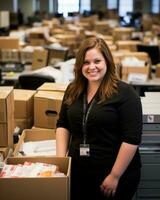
(62, 140)
(124, 157)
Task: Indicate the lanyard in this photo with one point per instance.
(85, 116)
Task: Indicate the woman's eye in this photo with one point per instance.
(85, 62)
(97, 61)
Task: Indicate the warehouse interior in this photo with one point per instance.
(39, 40)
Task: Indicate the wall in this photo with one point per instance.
(26, 5)
(100, 5)
(142, 6)
(44, 5)
(26, 8)
(6, 5)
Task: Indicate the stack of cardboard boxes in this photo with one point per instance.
(43, 101)
(6, 119)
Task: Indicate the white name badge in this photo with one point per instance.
(84, 150)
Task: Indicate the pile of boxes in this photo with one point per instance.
(134, 66)
(6, 119)
(36, 113)
(9, 49)
(12, 52)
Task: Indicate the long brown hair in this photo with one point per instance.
(109, 83)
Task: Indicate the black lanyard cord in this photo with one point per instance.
(86, 113)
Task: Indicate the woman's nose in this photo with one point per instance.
(92, 65)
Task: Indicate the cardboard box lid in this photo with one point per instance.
(23, 95)
(54, 95)
(5, 91)
(60, 87)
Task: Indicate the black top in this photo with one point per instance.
(117, 120)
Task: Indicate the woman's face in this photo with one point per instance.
(94, 66)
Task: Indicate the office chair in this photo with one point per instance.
(33, 81)
(152, 50)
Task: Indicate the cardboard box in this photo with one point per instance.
(6, 135)
(26, 56)
(37, 42)
(130, 45)
(23, 103)
(9, 43)
(6, 116)
(37, 38)
(46, 108)
(23, 123)
(158, 71)
(50, 188)
(57, 55)
(30, 135)
(10, 55)
(122, 33)
(138, 70)
(59, 87)
(39, 59)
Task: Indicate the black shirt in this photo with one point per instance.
(117, 120)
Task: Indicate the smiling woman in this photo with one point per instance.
(100, 127)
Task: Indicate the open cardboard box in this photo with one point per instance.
(34, 135)
(138, 70)
(40, 188)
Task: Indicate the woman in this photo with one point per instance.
(100, 126)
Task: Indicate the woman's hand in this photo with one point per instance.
(109, 185)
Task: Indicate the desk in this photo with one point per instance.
(10, 72)
(149, 85)
(10, 78)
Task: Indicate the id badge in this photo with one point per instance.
(84, 150)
